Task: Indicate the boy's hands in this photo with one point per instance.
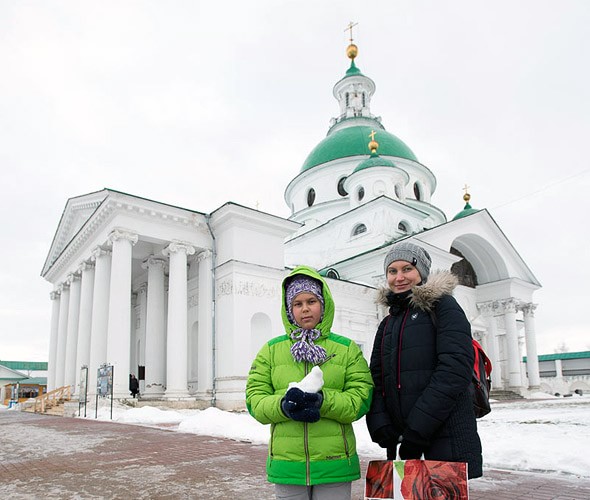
(302, 406)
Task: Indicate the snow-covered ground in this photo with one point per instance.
(550, 434)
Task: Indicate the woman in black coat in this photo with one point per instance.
(422, 370)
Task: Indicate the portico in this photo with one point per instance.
(134, 286)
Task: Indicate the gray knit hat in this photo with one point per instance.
(411, 253)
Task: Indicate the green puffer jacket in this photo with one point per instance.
(324, 451)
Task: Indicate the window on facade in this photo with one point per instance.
(310, 197)
(359, 229)
(398, 191)
(360, 194)
(463, 270)
(332, 273)
(347, 99)
(403, 227)
(417, 193)
(341, 190)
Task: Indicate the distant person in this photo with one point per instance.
(422, 370)
(312, 448)
(133, 385)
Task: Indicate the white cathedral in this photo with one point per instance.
(176, 297)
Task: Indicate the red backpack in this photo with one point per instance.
(481, 381)
(482, 368)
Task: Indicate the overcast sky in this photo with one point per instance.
(198, 103)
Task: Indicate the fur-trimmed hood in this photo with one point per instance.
(424, 296)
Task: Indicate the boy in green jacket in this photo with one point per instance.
(312, 448)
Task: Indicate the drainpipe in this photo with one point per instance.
(213, 304)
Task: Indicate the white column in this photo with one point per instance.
(205, 349)
(155, 329)
(100, 314)
(138, 329)
(514, 374)
(492, 343)
(532, 356)
(85, 324)
(118, 331)
(55, 299)
(62, 335)
(73, 321)
(177, 342)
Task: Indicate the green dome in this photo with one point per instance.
(353, 70)
(468, 210)
(353, 141)
(374, 161)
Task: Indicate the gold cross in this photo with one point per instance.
(350, 26)
(465, 188)
(372, 135)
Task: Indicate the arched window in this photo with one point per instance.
(360, 194)
(398, 191)
(332, 273)
(341, 190)
(359, 229)
(417, 192)
(310, 197)
(403, 227)
(463, 270)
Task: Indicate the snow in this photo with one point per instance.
(543, 433)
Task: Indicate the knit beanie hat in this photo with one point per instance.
(411, 253)
(300, 284)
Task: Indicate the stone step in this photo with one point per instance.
(504, 395)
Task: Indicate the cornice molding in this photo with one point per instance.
(109, 206)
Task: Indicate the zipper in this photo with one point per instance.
(327, 359)
(272, 432)
(383, 357)
(399, 350)
(307, 460)
(306, 444)
(346, 450)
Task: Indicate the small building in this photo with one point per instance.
(19, 380)
(565, 373)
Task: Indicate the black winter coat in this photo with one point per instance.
(422, 374)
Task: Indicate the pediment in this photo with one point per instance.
(76, 213)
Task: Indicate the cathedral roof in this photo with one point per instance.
(352, 141)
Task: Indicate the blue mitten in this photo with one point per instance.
(302, 406)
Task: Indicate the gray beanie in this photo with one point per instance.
(411, 253)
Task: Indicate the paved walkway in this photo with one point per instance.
(45, 457)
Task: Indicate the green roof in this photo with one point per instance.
(374, 161)
(353, 70)
(563, 355)
(467, 210)
(25, 365)
(34, 381)
(353, 141)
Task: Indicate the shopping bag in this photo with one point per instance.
(416, 480)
